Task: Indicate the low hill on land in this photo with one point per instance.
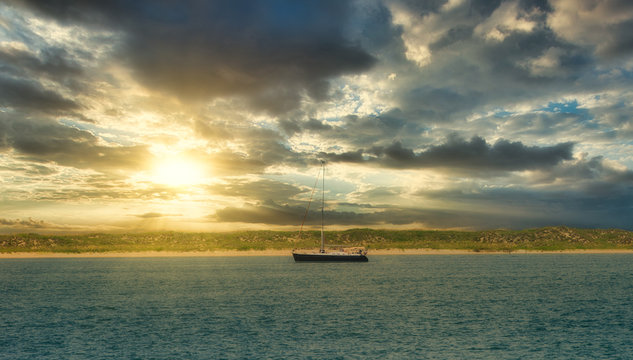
(549, 238)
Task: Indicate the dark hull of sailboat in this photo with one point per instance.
(330, 258)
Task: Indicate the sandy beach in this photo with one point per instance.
(287, 252)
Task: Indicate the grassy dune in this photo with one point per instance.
(549, 238)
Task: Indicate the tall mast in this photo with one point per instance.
(322, 207)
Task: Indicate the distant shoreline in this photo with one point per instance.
(559, 239)
(233, 253)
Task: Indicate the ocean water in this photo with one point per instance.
(531, 306)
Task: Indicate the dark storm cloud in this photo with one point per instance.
(587, 174)
(275, 205)
(316, 125)
(268, 50)
(30, 96)
(422, 7)
(476, 8)
(622, 43)
(535, 208)
(5, 140)
(440, 104)
(510, 59)
(458, 153)
(357, 131)
(583, 193)
(49, 141)
(23, 75)
(540, 125)
(51, 62)
(275, 214)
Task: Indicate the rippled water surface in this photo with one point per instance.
(430, 306)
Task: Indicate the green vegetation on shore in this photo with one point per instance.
(549, 238)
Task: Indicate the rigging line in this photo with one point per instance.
(316, 182)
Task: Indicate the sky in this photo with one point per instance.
(214, 115)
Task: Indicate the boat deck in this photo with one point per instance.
(358, 255)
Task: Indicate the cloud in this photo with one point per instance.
(273, 213)
(507, 18)
(377, 195)
(200, 50)
(24, 223)
(440, 104)
(31, 96)
(483, 56)
(582, 192)
(549, 63)
(258, 90)
(586, 173)
(430, 26)
(594, 206)
(30, 224)
(458, 153)
(40, 83)
(357, 131)
(239, 149)
(49, 141)
(316, 125)
(30, 169)
(52, 62)
(262, 190)
(426, 23)
(539, 211)
(9, 226)
(104, 192)
(154, 215)
(606, 25)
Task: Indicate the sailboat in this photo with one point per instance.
(338, 254)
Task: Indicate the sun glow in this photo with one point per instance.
(178, 171)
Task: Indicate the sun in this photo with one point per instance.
(177, 171)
